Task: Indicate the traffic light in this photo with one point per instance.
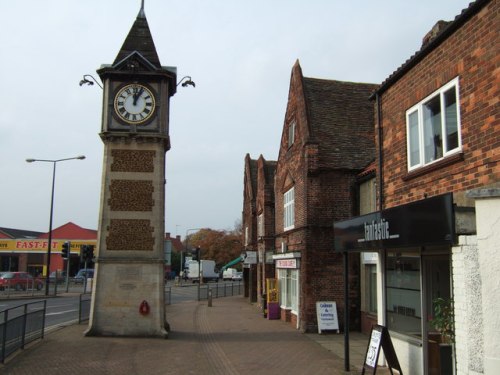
(86, 252)
(65, 250)
(83, 252)
(90, 252)
(196, 253)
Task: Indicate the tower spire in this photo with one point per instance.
(139, 39)
(142, 14)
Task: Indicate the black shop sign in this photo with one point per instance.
(426, 222)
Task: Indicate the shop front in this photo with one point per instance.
(287, 271)
(31, 255)
(414, 243)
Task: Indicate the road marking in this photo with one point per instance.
(61, 305)
(60, 312)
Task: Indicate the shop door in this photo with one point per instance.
(437, 287)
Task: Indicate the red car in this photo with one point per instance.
(19, 281)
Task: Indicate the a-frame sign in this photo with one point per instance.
(380, 338)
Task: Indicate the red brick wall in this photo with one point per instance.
(471, 53)
(265, 206)
(321, 197)
(249, 219)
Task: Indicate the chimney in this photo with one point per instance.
(167, 235)
(178, 237)
(435, 31)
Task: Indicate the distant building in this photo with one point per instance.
(24, 250)
(172, 245)
(258, 224)
(265, 223)
(249, 225)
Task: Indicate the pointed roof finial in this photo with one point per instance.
(141, 14)
(139, 39)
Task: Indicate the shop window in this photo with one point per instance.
(433, 127)
(371, 288)
(288, 283)
(294, 285)
(403, 293)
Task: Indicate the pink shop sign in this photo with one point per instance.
(286, 263)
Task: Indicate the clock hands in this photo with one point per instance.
(138, 94)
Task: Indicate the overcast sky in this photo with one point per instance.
(239, 53)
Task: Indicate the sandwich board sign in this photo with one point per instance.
(326, 312)
(380, 338)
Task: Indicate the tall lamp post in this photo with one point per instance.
(49, 245)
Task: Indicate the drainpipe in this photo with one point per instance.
(381, 252)
(380, 154)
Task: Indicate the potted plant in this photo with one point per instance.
(443, 322)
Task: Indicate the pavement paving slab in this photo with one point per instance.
(230, 337)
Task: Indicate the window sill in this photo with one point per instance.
(407, 338)
(434, 166)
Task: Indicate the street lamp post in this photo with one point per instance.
(49, 245)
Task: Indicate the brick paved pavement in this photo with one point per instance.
(231, 337)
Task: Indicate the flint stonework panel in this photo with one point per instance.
(130, 234)
(133, 161)
(131, 195)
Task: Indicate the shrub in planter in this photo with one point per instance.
(443, 320)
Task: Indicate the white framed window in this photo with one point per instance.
(289, 209)
(291, 134)
(282, 285)
(246, 236)
(294, 290)
(260, 225)
(433, 127)
(288, 280)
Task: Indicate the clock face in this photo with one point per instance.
(134, 104)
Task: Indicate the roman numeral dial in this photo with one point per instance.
(134, 104)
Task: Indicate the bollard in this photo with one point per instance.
(264, 305)
(210, 297)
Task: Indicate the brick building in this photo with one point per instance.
(172, 245)
(249, 225)
(327, 141)
(438, 142)
(265, 223)
(24, 250)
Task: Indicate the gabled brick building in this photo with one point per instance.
(327, 140)
(438, 150)
(249, 225)
(265, 223)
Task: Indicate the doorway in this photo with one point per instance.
(437, 287)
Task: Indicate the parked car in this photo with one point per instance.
(57, 276)
(238, 276)
(83, 274)
(19, 281)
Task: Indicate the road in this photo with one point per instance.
(64, 309)
(59, 310)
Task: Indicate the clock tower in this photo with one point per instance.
(129, 289)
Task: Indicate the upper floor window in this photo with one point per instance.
(260, 225)
(289, 209)
(433, 127)
(291, 133)
(246, 236)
